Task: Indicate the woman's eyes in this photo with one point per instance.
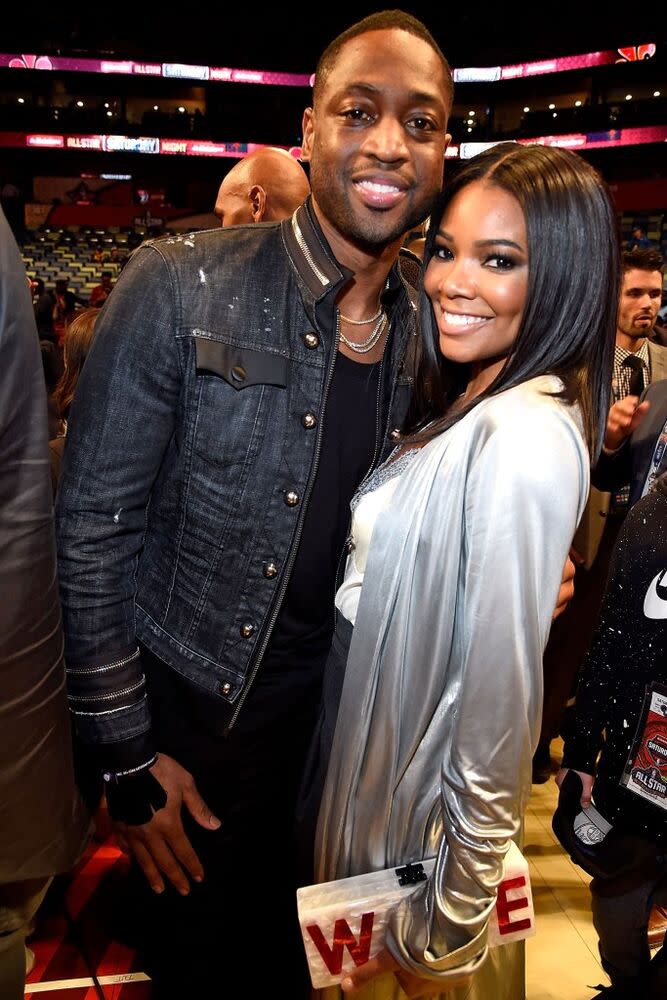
(496, 261)
(500, 262)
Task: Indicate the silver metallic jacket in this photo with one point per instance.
(441, 704)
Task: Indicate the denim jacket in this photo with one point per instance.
(192, 447)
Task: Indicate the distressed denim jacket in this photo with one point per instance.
(192, 447)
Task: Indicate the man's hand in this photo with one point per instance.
(161, 846)
(411, 985)
(566, 592)
(624, 417)
(587, 781)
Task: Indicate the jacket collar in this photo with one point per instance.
(310, 253)
(314, 261)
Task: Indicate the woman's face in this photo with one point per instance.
(477, 278)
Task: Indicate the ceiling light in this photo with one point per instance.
(555, 114)
(79, 104)
(181, 108)
(21, 100)
(106, 104)
(577, 104)
(155, 107)
(551, 107)
(656, 93)
(628, 97)
(526, 110)
(471, 112)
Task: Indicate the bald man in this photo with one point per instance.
(266, 186)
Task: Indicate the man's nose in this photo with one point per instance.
(386, 140)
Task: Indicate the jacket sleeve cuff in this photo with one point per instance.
(580, 755)
(122, 760)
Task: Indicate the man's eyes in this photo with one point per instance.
(422, 124)
(356, 114)
(418, 123)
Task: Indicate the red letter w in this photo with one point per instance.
(343, 937)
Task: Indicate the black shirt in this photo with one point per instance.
(304, 627)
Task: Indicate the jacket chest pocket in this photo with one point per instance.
(242, 398)
(240, 367)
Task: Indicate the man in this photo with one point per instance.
(639, 238)
(637, 362)
(203, 503)
(43, 825)
(65, 303)
(265, 186)
(101, 292)
(42, 304)
(623, 695)
(635, 444)
(258, 374)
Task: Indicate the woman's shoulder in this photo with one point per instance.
(534, 415)
(536, 399)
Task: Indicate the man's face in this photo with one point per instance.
(641, 294)
(376, 140)
(232, 206)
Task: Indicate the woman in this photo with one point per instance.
(471, 520)
(78, 338)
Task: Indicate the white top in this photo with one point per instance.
(370, 506)
(371, 499)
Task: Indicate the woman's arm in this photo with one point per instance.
(524, 496)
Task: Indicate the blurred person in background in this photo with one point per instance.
(265, 186)
(101, 292)
(78, 338)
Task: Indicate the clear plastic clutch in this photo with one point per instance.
(344, 923)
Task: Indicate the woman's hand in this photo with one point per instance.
(412, 986)
(566, 590)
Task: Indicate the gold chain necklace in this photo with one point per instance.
(362, 322)
(364, 346)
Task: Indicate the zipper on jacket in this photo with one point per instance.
(82, 698)
(299, 528)
(108, 666)
(305, 250)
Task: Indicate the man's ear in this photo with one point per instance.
(257, 196)
(308, 131)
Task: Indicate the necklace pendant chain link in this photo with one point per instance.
(362, 322)
(364, 346)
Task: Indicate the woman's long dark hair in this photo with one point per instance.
(569, 320)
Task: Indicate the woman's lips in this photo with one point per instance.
(456, 322)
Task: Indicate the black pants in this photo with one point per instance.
(240, 923)
(621, 914)
(315, 771)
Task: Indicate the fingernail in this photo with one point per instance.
(157, 888)
(346, 985)
(215, 822)
(184, 892)
(199, 878)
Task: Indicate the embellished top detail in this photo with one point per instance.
(388, 470)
